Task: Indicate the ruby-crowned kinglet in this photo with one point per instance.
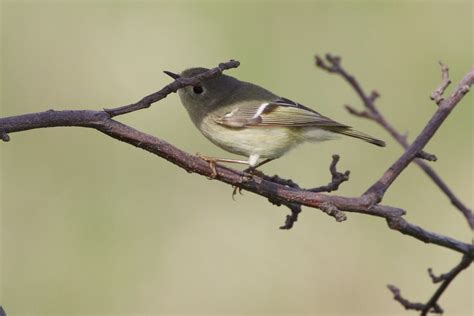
(248, 120)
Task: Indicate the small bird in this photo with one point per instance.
(248, 120)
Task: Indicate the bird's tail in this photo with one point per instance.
(363, 136)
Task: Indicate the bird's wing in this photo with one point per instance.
(280, 112)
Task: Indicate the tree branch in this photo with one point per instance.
(277, 190)
(410, 305)
(171, 88)
(372, 113)
(102, 122)
(437, 95)
(432, 304)
(412, 151)
(337, 178)
(378, 189)
(331, 210)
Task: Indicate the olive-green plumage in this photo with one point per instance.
(248, 120)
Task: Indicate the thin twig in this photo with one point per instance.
(337, 177)
(378, 189)
(4, 136)
(446, 278)
(410, 305)
(371, 112)
(171, 88)
(437, 95)
(292, 217)
(328, 208)
(432, 304)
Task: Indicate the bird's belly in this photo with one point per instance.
(265, 142)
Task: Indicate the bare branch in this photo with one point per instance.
(335, 67)
(337, 178)
(292, 217)
(295, 208)
(4, 136)
(432, 304)
(331, 210)
(447, 279)
(437, 95)
(410, 305)
(426, 156)
(434, 278)
(284, 193)
(373, 113)
(171, 88)
(363, 114)
(378, 189)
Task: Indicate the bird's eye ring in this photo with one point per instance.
(198, 89)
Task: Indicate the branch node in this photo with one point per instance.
(334, 61)
(355, 112)
(410, 305)
(375, 194)
(336, 177)
(396, 222)
(434, 278)
(333, 211)
(230, 64)
(4, 135)
(465, 89)
(426, 156)
(374, 95)
(437, 95)
(293, 217)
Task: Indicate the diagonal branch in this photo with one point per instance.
(172, 87)
(371, 112)
(328, 208)
(413, 151)
(397, 296)
(432, 304)
(446, 279)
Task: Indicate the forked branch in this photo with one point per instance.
(333, 65)
(371, 112)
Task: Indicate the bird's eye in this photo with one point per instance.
(198, 89)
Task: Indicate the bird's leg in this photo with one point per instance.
(253, 169)
(212, 162)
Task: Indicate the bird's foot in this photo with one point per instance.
(252, 171)
(212, 165)
(236, 190)
(249, 174)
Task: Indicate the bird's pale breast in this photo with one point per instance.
(264, 142)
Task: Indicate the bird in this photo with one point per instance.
(251, 121)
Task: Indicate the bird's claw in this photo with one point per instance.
(212, 165)
(235, 191)
(250, 172)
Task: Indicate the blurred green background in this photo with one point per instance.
(92, 226)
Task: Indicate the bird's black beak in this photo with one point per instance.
(172, 75)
